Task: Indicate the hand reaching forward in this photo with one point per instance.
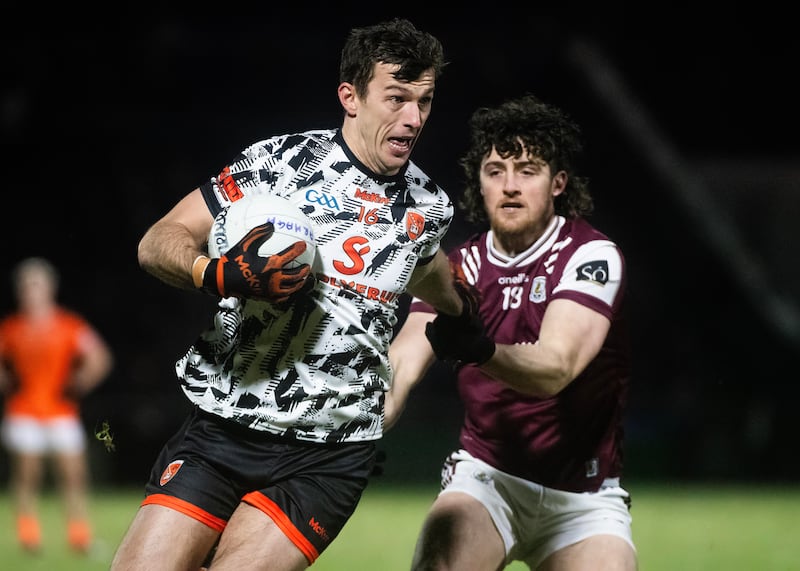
(461, 339)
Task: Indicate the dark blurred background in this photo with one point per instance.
(690, 124)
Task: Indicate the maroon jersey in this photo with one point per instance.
(572, 441)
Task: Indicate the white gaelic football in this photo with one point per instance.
(291, 225)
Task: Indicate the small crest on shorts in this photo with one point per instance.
(170, 471)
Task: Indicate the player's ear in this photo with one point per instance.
(559, 183)
(348, 98)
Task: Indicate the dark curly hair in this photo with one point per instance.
(394, 42)
(525, 124)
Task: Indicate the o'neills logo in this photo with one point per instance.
(415, 224)
(170, 471)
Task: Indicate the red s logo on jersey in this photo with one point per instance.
(415, 226)
(355, 254)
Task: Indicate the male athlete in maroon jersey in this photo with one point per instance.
(544, 377)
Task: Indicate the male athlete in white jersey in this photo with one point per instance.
(288, 382)
(536, 477)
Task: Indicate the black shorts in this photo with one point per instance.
(310, 490)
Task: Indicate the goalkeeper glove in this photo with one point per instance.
(241, 272)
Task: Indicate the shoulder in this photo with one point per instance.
(416, 177)
(581, 230)
(70, 318)
(588, 256)
(424, 195)
(473, 247)
(577, 234)
(279, 144)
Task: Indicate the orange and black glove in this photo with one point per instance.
(242, 272)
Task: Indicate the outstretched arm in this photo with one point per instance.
(410, 355)
(571, 336)
(410, 352)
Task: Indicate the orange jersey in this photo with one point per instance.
(40, 356)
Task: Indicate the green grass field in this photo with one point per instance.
(682, 527)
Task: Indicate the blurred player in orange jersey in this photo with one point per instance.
(50, 357)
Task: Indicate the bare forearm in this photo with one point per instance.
(395, 405)
(571, 336)
(528, 369)
(167, 252)
(405, 379)
(410, 355)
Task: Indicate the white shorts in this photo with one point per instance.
(30, 435)
(535, 521)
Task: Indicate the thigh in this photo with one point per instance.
(67, 441)
(253, 541)
(28, 470)
(162, 538)
(72, 468)
(458, 533)
(308, 490)
(196, 473)
(607, 552)
(314, 491)
(576, 528)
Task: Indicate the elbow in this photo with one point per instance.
(552, 386)
(557, 381)
(548, 386)
(144, 255)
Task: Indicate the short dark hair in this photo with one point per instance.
(525, 125)
(394, 42)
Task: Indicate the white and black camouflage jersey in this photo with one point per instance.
(317, 369)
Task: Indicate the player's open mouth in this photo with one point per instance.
(400, 144)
